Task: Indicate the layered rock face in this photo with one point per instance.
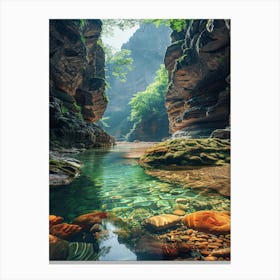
(198, 61)
(77, 84)
(148, 46)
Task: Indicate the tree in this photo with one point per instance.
(175, 24)
(151, 101)
(109, 24)
(119, 64)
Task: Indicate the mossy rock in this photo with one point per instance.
(63, 171)
(188, 152)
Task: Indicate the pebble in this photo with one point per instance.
(179, 212)
(205, 252)
(210, 258)
(189, 231)
(210, 246)
(185, 237)
(182, 200)
(225, 252)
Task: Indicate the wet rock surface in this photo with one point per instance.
(63, 170)
(77, 84)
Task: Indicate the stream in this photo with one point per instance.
(113, 181)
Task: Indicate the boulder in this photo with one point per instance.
(209, 221)
(161, 222)
(65, 231)
(86, 221)
(54, 220)
(63, 170)
(221, 133)
(184, 152)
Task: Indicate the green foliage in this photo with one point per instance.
(82, 23)
(175, 24)
(119, 64)
(78, 110)
(150, 101)
(109, 24)
(83, 39)
(64, 109)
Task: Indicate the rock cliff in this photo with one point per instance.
(198, 62)
(77, 84)
(148, 46)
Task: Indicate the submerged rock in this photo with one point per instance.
(86, 221)
(209, 221)
(149, 248)
(54, 220)
(179, 212)
(204, 178)
(161, 222)
(65, 231)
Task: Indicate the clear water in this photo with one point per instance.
(112, 181)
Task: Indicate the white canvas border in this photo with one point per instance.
(255, 138)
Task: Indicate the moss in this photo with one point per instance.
(188, 152)
(63, 166)
(64, 109)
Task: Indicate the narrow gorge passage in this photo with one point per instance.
(139, 140)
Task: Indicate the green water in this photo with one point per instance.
(113, 183)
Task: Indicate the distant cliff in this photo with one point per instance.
(148, 46)
(198, 61)
(77, 84)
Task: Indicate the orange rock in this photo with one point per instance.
(205, 252)
(179, 212)
(65, 231)
(52, 238)
(209, 221)
(54, 220)
(86, 221)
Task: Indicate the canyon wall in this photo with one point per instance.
(77, 84)
(198, 62)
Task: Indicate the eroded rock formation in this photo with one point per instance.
(198, 61)
(77, 84)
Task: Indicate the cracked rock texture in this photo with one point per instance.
(198, 61)
(77, 84)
